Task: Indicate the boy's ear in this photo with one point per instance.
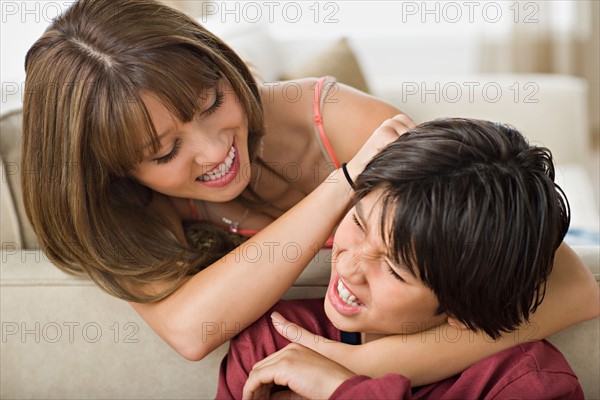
(456, 324)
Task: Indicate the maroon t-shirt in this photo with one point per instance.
(535, 370)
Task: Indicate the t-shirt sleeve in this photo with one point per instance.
(542, 385)
(390, 386)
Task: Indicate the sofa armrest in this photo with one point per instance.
(580, 344)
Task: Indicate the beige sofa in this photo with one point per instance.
(64, 338)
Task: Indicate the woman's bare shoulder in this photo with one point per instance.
(288, 104)
(349, 116)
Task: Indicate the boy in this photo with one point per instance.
(456, 221)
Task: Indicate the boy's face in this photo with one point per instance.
(367, 291)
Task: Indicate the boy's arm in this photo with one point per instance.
(572, 296)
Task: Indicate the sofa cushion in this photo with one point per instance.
(18, 230)
(339, 61)
(255, 46)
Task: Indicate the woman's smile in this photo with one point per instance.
(223, 173)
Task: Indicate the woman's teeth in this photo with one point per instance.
(345, 295)
(221, 169)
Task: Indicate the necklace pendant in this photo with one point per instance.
(227, 221)
(233, 225)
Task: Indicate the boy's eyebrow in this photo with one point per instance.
(397, 266)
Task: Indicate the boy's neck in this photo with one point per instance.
(366, 337)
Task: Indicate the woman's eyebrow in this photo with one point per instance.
(166, 132)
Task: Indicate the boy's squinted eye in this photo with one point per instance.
(165, 159)
(355, 219)
(394, 273)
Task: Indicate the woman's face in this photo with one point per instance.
(206, 158)
(367, 291)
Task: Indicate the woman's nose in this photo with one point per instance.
(206, 150)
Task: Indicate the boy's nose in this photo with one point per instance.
(350, 267)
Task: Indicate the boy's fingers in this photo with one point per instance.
(286, 395)
(254, 389)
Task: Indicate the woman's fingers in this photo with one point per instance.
(297, 334)
(387, 132)
(329, 348)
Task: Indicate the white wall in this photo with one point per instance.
(427, 37)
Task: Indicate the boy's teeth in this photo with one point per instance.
(345, 295)
(220, 169)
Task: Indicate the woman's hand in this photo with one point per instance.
(387, 132)
(307, 373)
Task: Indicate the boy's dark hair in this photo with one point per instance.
(477, 216)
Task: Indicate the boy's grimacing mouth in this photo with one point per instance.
(346, 295)
(342, 299)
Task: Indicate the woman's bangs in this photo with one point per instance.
(124, 133)
(124, 124)
(180, 80)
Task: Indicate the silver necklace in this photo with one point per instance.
(234, 225)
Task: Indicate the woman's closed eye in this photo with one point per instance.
(219, 97)
(165, 159)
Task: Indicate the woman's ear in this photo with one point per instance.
(456, 324)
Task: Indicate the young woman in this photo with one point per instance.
(136, 119)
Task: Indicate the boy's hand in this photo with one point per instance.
(307, 373)
(390, 130)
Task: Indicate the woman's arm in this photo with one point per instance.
(572, 296)
(220, 301)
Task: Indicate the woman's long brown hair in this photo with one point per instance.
(85, 128)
